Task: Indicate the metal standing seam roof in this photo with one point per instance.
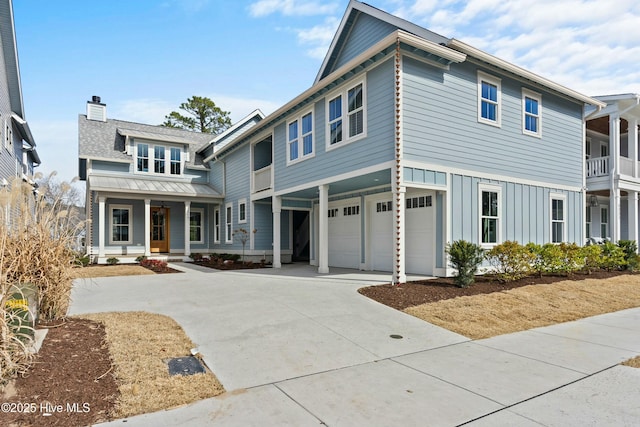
(130, 185)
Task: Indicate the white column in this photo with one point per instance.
(399, 272)
(147, 227)
(187, 228)
(101, 225)
(323, 233)
(276, 208)
(633, 145)
(614, 201)
(632, 201)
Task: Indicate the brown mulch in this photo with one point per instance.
(426, 291)
(230, 266)
(73, 373)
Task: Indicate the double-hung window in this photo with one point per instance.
(158, 159)
(120, 219)
(242, 211)
(588, 221)
(195, 225)
(604, 222)
(216, 226)
(300, 138)
(143, 158)
(489, 99)
(175, 161)
(558, 215)
(228, 221)
(531, 113)
(490, 207)
(346, 115)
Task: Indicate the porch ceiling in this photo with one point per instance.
(129, 185)
(350, 185)
(601, 125)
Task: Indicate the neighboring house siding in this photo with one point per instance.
(441, 127)
(376, 148)
(7, 158)
(525, 214)
(366, 32)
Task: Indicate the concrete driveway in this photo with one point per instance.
(296, 348)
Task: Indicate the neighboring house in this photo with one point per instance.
(613, 175)
(18, 155)
(406, 141)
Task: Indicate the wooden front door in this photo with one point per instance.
(159, 229)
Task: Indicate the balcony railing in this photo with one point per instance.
(597, 167)
(262, 179)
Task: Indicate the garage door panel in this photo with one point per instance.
(381, 235)
(344, 234)
(419, 232)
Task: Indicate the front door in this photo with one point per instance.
(159, 229)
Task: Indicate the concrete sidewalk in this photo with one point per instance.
(295, 349)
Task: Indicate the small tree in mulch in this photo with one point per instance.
(465, 257)
(243, 237)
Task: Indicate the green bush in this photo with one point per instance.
(591, 258)
(140, 258)
(465, 257)
(510, 260)
(630, 250)
(613, 257)
(82, 260)
(113, 260)
(572, 260)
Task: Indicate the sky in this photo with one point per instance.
(145, 57)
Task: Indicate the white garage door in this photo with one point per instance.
(380, 221)
(344, 233)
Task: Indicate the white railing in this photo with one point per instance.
(262, 179)
(598, 167)
(626, 166)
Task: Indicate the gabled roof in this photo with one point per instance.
(10, 52)
(229, 135)
(354, 9)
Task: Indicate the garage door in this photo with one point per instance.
(344, 233)
(419, 232)
(380, 235)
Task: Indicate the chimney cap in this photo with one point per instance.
(95, 99)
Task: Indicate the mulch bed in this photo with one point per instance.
(426, 291)
(163, 270)
(237, 265)
(73, 373)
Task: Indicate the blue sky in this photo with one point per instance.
(145, 57)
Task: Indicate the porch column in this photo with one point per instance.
(632, 201)
(147, 227)
(277, 209)
(614, 200)
(323, 233)
(614, 220)
(399, 272)
(187, 228)
(633, 144)
(101, 225)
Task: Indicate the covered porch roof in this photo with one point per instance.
(152, 187)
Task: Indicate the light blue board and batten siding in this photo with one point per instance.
(525, 215)
(441, 127)
(376, 148)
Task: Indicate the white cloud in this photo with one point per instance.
(292, 7)
(319, 37)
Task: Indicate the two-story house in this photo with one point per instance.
(18, 155)
(612, 170)
(406, 141)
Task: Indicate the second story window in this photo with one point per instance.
(531, 113)
(300, 138)
(489, 99)
(143, 158)
(175, 161)
(158, 159)
(349, 108)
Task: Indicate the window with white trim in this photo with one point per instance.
(196, 221)
(558, 218)
(346, 115)
(490, 214)
(228, 237)
(120, 224)
(384, 206)
(300, 138)
(418, 202)
(531, 113)
(216, 226)
(588, 221)
(489, 99)
(158, 159)
(8, 135)
(604, 222)
(176, 161)
(142, 156)
(242, 211)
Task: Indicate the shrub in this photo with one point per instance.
(465, 257)
(141, 258)
(630, 250)
(82, 260)
(571, 260)
(196, 257)
(613, 256)
(510, 260)
(113, 260)
(592, 257)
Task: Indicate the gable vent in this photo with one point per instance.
(96, 110)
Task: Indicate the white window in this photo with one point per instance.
(228, 237)
(588, 221)
(346, 116)
(531, 113)
(300, 138)
(216, 226)
(418, 202)
(489, 99)
(384, 206)
(120, 224)
(351, 210)
(604, 222)
(490, 213)
(242, 211)
(196, 234)
(158, 159)
(558, 218)
(8, 136)
(587, 148)
(604, 149)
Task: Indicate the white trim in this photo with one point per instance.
(228, 223)
(240, 219)
(299, 141)
(526, 93)
(343, 92)
(497, 82)
(216, 226)
(202, 221)
(129, 225)
(493, 188)
(563, 198)
(151, 158)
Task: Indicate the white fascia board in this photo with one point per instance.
(507, 66)
(239, 123)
